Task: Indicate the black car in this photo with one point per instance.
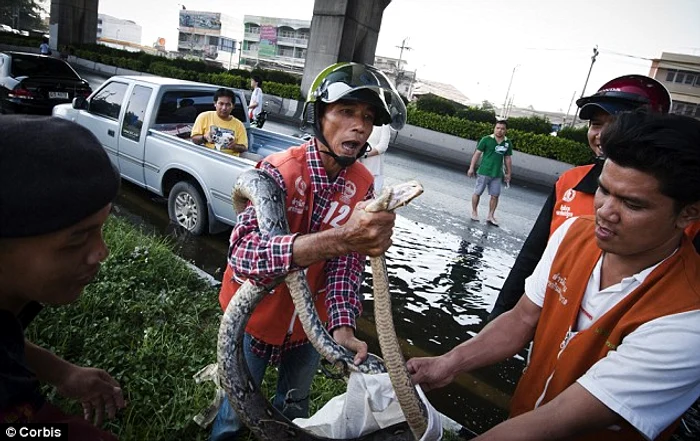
(33, 83)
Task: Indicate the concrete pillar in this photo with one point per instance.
(342, 30)
(72, 22)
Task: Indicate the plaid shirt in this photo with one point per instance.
(262, 258)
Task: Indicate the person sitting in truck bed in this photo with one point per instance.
(218, 129)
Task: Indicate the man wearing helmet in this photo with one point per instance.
(573, 193)
(331, 234)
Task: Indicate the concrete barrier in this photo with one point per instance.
(441, 148)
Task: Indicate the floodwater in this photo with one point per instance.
(442, 289)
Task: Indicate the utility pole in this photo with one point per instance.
(583, 92)
(505, 101)
(566, 118)
(402, 47)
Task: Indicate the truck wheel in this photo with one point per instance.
(188, 208)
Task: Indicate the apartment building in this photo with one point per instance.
(209, 35)
(680, 73)
(275, 42)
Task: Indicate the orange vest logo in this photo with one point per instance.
(348, 192)
(300, 185)
(569, 195)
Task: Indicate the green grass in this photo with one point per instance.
(152, 323)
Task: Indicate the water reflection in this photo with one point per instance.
(442, 290)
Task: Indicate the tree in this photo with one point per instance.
(23, 14)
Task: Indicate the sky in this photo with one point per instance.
(478, 46)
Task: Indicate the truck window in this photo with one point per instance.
(135, 111)
(108, 101)
(183, 106)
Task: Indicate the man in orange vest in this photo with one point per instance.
(325, 190)
(613, 305)
(573, 193)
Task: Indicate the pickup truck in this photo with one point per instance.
(144, 126)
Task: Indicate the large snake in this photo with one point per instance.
(255, 411)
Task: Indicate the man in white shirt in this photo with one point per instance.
(613, 306)
(256, 99)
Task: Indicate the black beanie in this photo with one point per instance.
(53, 174)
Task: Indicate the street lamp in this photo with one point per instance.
(583, 92)
(505, 102)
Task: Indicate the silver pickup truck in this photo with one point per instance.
(144, 126)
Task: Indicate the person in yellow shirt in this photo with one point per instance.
(217, 129)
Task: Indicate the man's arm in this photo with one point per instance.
(509, 168)
(199, 134)
(500, 339)
(475, 160)
(364, 233)
(94, 388)
(263, 258)
(527, 259)
(572, 413)
(240, 142)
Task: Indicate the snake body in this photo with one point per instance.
(255, 411)
(412, 406)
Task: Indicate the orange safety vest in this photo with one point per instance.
(271, 320)
(671, 288)
(569, 202)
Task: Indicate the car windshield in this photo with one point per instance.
(33, 66)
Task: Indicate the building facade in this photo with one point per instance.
(275, 42)
(112, 28)
(680, 73)
(403, 79)
(209, 35)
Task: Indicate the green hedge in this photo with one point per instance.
(433, 113)
(443, 106)
(190, 70)
(579, 134)
(534, 144)
(20, 40)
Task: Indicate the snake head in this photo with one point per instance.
(396, 196)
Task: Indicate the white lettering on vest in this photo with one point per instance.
(335, 220)
(558, 284)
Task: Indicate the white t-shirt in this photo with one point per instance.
(654, 375)
(257, 97)
(379, 140)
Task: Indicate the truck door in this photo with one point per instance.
(102, 116)
(132, 135)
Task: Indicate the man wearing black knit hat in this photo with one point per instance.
(56, 190)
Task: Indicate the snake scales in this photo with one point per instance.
(255, 411)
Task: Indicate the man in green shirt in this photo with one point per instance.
(495, 149)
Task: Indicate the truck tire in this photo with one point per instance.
(188, 208)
